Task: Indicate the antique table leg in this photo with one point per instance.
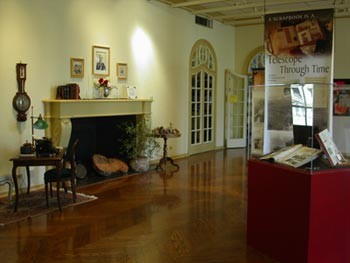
(59, 171)
(165, 157)
(28, 179)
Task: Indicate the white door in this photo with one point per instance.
(202, 98)
(236, 86)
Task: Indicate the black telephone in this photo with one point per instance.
(44, 147)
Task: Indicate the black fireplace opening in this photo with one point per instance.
(97, 135)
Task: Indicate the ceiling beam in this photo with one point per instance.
(197, 2)
(229, 13)
(227, 8)
(247, 22)
(260, 13)
(240, 7)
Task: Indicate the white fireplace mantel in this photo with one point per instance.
(58, 113)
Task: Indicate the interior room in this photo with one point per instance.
(151, 48)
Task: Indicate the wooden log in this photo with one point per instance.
(107, 166)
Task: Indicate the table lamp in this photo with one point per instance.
(39, 124)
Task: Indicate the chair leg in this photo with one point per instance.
(72, 182)
(51, 189)
(47, 195)
(64, 186)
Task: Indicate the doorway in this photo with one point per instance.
(202, 97)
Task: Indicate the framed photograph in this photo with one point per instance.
(100, 60)
(122, 70)
(77, 68)
(131, 92)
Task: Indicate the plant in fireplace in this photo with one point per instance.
(137, 143)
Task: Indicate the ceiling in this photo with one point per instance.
(248, 12)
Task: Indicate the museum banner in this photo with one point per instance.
(299, 47)
(298, 54)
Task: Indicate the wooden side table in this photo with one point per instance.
(56, 160)
(165, 157)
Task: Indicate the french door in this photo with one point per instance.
(235, 109)
(202, 98)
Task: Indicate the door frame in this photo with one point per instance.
(212, 145)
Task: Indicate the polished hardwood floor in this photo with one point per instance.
(196, 214)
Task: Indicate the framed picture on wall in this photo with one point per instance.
(100, 60)
(77, 68)
(122, 70)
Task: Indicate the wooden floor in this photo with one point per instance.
(197, 214)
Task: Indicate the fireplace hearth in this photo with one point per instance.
(98, 135)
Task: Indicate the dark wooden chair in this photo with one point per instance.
(67, 174)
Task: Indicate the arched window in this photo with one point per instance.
(255, 66)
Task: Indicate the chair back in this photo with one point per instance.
(72, 155)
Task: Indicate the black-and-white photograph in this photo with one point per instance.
(100, 60)
(280, 114)
(122, 70)
(76, 67)
(258, 117)
(279, 132)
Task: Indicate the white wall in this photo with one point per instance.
(46, 34)
(247, 39)
(341, 125)
(341, 48)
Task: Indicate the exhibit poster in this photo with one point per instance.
(298, 49)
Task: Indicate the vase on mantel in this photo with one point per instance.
(101, 92)
(98, 93)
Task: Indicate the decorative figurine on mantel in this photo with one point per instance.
(166, 133)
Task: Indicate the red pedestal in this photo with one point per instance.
(298, 216)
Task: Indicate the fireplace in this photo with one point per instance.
(98, 135)
(59, 113)
(93, 121)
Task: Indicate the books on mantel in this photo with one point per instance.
(295, 155)
(70, 91)
(334, 156)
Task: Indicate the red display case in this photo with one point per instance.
(298, 215)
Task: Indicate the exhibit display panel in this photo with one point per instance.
(298, 180)
(286, 115)
(297, 215)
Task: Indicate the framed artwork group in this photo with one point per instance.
(100, 64)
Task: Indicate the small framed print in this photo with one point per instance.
(122, 70)
(100, 60)
(77, 68)
(131, 92)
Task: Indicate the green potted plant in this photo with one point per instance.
(137, 143)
